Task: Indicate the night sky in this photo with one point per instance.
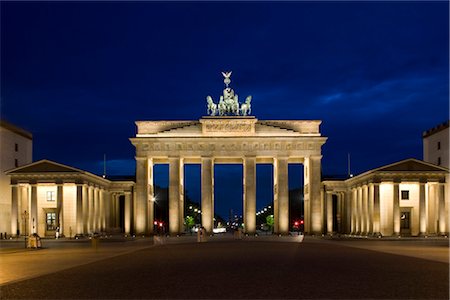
(77, 75)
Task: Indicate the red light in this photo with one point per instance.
(301, 222)
(295, 223)
(155, 223)
(160, 224)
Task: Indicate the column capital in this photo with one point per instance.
(140, 158)
(314, 156)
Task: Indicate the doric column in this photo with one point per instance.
(174, 195)
(348, 211)
(207, 175)
(396, 209)
(79, 209)
(431, 207)
(127, 213)
(422, 210)
(281, 196)
(96, 214)
(59, 207)
(117, 210)
(33, 210)
(370, 208)
(85, 205)
(353, 211)
(275, 197)
(365, 206)
(442, 215)
(91, 210)
(14, 209)
(313, 181)
(141, 200)
(181, 197)
(250, 195)
(329, 201)
(102, 209)
(359, 226)
(151, 197)
(376, 209)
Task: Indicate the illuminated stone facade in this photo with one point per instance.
(407, 198)
(436, 145)
(234, 139)
(16, 149)
(48, 196)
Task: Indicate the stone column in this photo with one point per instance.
(329, 201)
(174, 195)
(181, 197)
(359, 226)
(91, 209)
(96, 203)
(281, 211)
(376, 209)
(422, 210)
(348, 211)
(127, 213)
(14, 209)
(79, 209)
(33, 210)
(151, 197)
(365, 202)
(396, 209)
(117, 210)
(250, 195)
(207, 175)
(59, 207)
(313, 165)
(431, 206)
(370, 207)
(102, 209)
(141, 200)
(275, 197)
(306, 202)
(85, 209)
(442, 214)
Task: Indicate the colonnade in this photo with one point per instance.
(88, 213)
(365, 210)
(144, 201)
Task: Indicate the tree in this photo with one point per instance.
(190, 222)
(269, 221)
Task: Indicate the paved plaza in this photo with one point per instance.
(265, 267)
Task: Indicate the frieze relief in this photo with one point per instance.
(231, 146)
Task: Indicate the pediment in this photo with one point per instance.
(43, 166)
(411, 165)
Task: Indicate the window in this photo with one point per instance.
(16, 147)
(51, 221)
(405, 195)
(51, 196)
(439, 145)
(439, 161)
(16, 162)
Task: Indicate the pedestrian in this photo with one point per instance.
(57, 233)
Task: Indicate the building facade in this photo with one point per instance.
(49, 197)
(407, 198)
(16, 149)
(435, 145)
(222, 140)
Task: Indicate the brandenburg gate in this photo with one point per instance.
(228, 135)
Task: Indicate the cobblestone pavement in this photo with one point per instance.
(228, 269)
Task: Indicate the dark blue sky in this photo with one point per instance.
(77, 75)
